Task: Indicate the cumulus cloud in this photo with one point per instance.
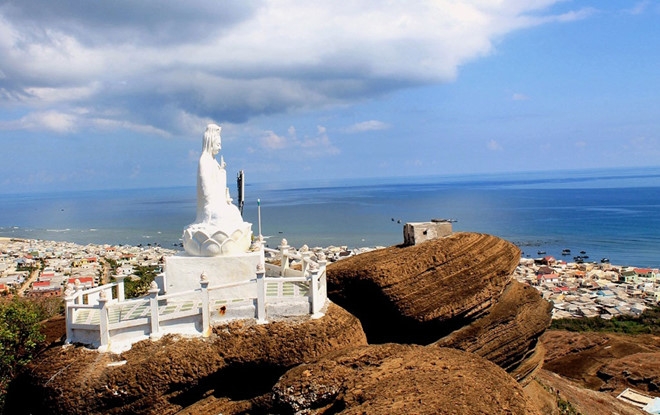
(371, 125)
(316, 145)
(165, 63)
(519, 97)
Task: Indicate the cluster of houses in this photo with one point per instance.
(36, 268)
(591, 289)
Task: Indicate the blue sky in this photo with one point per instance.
(103, 95)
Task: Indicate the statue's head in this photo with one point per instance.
(211, 142)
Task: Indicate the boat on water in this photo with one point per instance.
(605, 260)
(566, 252)
(540, 252)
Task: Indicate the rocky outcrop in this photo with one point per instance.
(508, 334)
(456, 290)
(401, 379)
(239, 362)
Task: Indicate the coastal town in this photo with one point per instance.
(37, 268)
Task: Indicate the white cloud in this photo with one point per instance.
(646, 146)
(494, 145)
(272, 141)
(639, 7)
(310, 146)
(519, 97)
(53, 121)
(174, 67)
(371, 125)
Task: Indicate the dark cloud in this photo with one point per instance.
(156, 62)
(146, 22)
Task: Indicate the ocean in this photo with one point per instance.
(608, 213)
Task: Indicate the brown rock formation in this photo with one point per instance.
(507, 335)
(458, 286)
(401, 379)
(420, 293)
(241, 361)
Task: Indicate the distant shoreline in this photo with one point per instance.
(4, 240)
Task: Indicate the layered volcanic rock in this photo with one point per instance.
(509, 333)
(459, 286)
(239, 362)
(400, 379)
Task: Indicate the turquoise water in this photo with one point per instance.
(607, 213)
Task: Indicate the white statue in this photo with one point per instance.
(219, 228)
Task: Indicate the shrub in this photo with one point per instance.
(647, 323)
(20, 337)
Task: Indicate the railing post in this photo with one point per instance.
(120, 287)
(153, 303)
(206, 312)
(70, 314)
(284, 252)
(104, 321)
(78, 287)
(305, 255)
(261, 294)
(316, 304)
(322, 261)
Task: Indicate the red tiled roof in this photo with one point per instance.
(81, 279)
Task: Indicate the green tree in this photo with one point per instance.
(20, 338)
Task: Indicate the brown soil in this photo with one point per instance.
(549, 390)
(604, 361)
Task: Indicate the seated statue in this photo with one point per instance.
(219, 228)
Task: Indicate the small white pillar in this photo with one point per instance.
(284, 253)
(70, 314)
(206, 312)
(78, 287)
(104, 321)
(153, 303)
(120, 287)
(314, 297)
(305, 255)
(261, 295)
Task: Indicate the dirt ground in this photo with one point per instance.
(590, 359)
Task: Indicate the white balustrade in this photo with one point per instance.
(267, 276)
